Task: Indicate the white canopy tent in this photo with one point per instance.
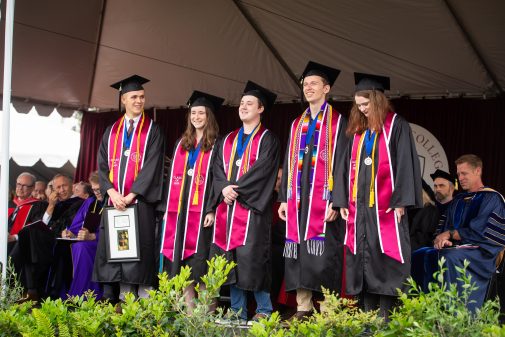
(68, 52)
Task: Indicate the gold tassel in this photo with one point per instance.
(195, 197)
(330, 183)
(456, 184)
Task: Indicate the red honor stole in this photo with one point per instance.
(322, 179)
(135, 158)
(239, 226)
(24, 208)
(194, 206)
(381, 192)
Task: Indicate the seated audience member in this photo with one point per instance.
(82, 190)
(473, 231)
(444, 185)
(85, 227)
(25, 210)
(423, 221)
(37, 241)
(39, 192)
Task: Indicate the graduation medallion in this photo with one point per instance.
(190, 172)
(306, 149)
(238, 162)
(368, 161)
(126, 152)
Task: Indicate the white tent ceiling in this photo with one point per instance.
(68, 52)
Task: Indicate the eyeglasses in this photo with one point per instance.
(96, 190)
(18, 185)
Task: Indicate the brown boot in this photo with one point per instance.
(301, 316)
(31, 295)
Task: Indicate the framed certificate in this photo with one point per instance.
(122, 234)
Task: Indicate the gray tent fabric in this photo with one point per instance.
(68, 52)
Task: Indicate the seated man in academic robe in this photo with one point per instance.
(37, 241)
(473, 231)
(26, 209)
(85, 228)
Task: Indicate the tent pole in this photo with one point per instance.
(266, 41)
(4, 161)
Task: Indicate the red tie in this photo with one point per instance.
(130, 128)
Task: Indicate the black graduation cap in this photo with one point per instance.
(199, 98)
(328, 73)
(444, 175)
(371, 82)
(132, 83)
(266, 97)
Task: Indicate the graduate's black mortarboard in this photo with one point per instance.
(266, 97)
(371, 82)
(132, 83)
(199, 98)
(444, 175)
(328, 73)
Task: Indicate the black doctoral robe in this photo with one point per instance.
(254, 263)
(197, 261)
(37, 251)
(370, 270)
(309, 271)
(148, 186)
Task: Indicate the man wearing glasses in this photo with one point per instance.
(25, 210)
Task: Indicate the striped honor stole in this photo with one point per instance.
(238, 228)
(194, 206)
(134, 156)
(381, 191)
(320, 178)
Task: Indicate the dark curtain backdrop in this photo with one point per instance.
(461, 125)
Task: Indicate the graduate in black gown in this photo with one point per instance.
(245, 172)
(187, 227)
(130, 168)
(379, 178)
(474, 230)
(313, 249)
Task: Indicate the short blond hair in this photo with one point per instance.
(470, 159)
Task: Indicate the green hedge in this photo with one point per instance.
(441, 312)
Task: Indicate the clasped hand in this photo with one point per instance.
(229, 194)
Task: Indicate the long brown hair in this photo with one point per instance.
(378, 109)
(210, 132)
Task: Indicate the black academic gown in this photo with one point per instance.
(197, 261)
(370, 270)
(310, 271)
(254, 265)
(423, 224)
(38, 253)
(148, 186)
(37, 210)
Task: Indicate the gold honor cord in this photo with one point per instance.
(137, 154)
(111, 172)
(329, 142)
(248, 150)
(195, 196)
(371, 201)
(183, 182)
(356, 169)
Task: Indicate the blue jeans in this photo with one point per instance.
(238, 298)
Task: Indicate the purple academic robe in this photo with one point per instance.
(83, 252)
